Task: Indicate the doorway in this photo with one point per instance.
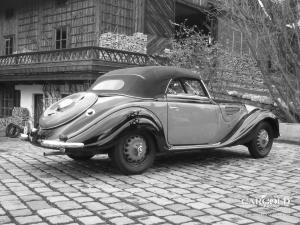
(38, 108)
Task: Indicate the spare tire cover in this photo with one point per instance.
(67, 109)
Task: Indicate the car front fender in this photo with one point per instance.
(243, 131)
(106, 131)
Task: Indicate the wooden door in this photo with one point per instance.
(38, 108)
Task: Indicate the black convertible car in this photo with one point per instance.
(132, 114)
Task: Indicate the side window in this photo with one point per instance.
(194, 87)
(175, 88)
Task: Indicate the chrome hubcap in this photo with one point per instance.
(135, 148)
(263, 139)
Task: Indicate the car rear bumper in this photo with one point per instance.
(60, 144)
(54, 144)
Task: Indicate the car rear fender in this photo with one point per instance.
(107, 131)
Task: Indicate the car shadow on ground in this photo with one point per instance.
(206, 157)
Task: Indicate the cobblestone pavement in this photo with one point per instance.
(223, 186)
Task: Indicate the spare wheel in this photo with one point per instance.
(67, 109)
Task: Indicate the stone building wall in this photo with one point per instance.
(238, 75)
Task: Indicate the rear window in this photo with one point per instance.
(128, 84)
(109, 85)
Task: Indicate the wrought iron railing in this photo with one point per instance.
(77, 54)
(197, 3)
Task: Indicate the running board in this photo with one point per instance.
(189, 147)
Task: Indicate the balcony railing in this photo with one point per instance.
(77, 54)
(196, 3)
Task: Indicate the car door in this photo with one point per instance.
(193, 119)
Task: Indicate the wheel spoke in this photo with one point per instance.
(262, 139)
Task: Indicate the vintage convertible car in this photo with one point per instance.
(132, 114)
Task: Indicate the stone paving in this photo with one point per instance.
(221, 187)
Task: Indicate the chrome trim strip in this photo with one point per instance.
(60, 144)
(188, 147)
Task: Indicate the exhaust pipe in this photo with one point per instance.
(53, 153)
(61, 152)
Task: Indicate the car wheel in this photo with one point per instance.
(134, 153)
(261, 144)
(80, 157)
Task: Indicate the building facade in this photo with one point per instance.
(52, 48)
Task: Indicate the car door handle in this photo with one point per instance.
(174, 107)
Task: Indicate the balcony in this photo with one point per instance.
(71, 64)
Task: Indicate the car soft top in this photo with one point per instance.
(145, 82)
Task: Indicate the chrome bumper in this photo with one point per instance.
(60, 144)
(53, 143)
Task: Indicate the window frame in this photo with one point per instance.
(204, 91)
(175, 80)
(181, 80)
(9, 98)
(9, 49)
(61, 39)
